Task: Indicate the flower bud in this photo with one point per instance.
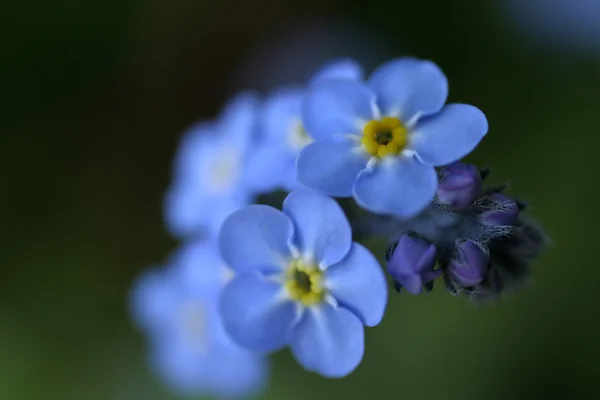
(469, 264)
(459, 185)
(502, 210)
(411, 263)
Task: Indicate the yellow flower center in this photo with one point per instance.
(384, 137)
(304, 282)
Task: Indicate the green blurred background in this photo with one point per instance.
(94, 97)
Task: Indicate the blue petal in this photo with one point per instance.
(204, 142)
(256, 238)
(193, 149)
(397, 185)
(331, 166)
(337, 106)
(340, 69)
(236, 376)
(280, 111)
(189, 211)
(450, 135)
(151, 300)
(358, 284)
(406, 87)
(199, 199)
(322, 231)
(238, 119)
(269, 168)
(256, 314)
(184, 371)
(223, 373)
(272, 164)
(234, 370)
(198, 268)
(329, 341)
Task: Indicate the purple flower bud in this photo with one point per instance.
(459, 185)
(502, 210)
(469, 265)
(411, 263)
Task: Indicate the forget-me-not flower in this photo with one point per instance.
(379, 141)
(272, 164)
(209, 179)
(177, 308)
(301, 282)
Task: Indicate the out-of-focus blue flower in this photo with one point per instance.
(177, 308)
(272, 164)
(559, 25)
(469, 264)
(380, 141)
(411, 264)
(459, 186)
(209, 179)
(301, 281)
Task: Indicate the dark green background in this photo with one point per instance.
(94, 97)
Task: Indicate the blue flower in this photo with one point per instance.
(563, 25)
(301, 282)
(209, 179)
(177, 308)
(380, 141)
(273, 163)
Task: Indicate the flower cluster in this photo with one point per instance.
(177, 307)
(477, 239)
(251, 279)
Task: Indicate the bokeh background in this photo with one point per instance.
(95, 95)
